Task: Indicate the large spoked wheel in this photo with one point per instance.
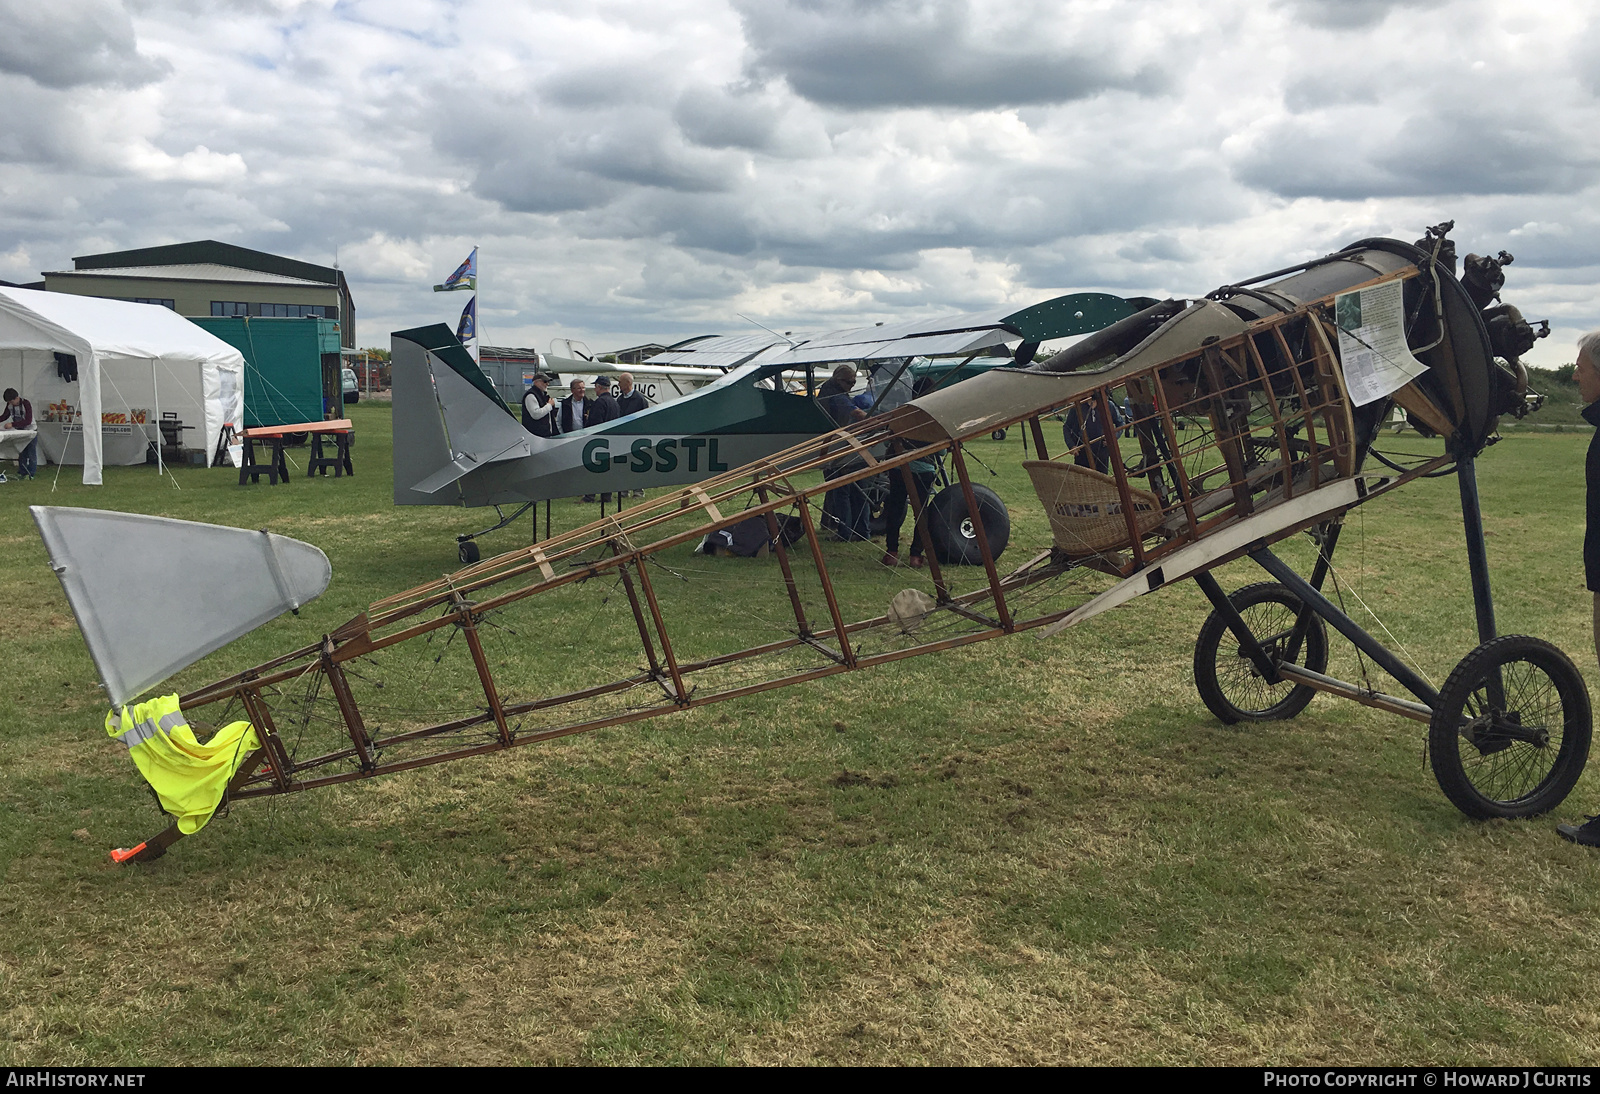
(1510, 735)
(1228, 681)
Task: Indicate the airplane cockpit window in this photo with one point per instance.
(891, 383)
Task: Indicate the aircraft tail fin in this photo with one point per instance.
(448, 419)
(421, 445)
(222, 583)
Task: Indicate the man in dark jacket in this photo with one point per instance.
(539, 408)
(601, 409)
(1587, 374)
(630, 400)
(834, 395)
(574, 412)
(846, 509)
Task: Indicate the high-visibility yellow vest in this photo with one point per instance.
(188, 777)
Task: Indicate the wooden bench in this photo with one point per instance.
(277, 465)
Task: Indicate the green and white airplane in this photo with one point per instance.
(456, 442)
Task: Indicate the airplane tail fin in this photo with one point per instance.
(448, 418)
(221, 582)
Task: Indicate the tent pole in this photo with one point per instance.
(161, 468)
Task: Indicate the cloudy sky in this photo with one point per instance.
(640, 170)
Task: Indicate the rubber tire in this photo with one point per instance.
(468, 553)
(877, 492)
(1444, 752)
(296, 440)
(998, 435)
(945, 515)
(1215, 638)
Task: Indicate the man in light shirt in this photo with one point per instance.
(539, 408)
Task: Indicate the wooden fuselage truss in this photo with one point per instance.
(1250, 435)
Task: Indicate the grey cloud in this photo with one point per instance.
(646, 184)
(1481, 153)
(518, 160)
(722, 119)
(597, 87)
(73, 43)
(908, 53)
(1552, 232)
(672, 275)
(209, 7)
(543, 159)
(1352, 14)
(1584, 57)
(39, 126)
(573, 172)
(1340, 87)
(535, 184)
(724, 225)
(1346, 156)
(1155, 248)
(996, 208)
(641, 151)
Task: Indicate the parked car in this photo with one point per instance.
(352, 390)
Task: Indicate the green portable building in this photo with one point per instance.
(291, 366)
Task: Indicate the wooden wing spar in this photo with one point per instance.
(1195, 433)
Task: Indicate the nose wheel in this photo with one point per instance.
(1510, 735)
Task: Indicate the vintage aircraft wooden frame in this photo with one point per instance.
(1241, 432)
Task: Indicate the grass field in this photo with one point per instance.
(1025, 851)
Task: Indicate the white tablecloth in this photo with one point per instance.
(13, 441)
(121, 445)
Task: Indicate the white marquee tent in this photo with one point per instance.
(130, 357)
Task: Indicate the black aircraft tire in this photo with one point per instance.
(1229, 683)
(955, 542)
(877, 491)
(1486, 773)
(468, 553)
(998, 435)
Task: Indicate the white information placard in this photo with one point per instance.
(1372, 342)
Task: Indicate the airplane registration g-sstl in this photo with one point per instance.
(1252, 416)
(457, 443)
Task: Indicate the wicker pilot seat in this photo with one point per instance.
(1085, 509)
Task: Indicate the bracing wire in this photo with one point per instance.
(1401, 646)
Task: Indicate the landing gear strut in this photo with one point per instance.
(467, 551)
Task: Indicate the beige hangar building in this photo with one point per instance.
(207, 278)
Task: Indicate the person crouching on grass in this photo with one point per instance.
(18, 414)
(1587, 374)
